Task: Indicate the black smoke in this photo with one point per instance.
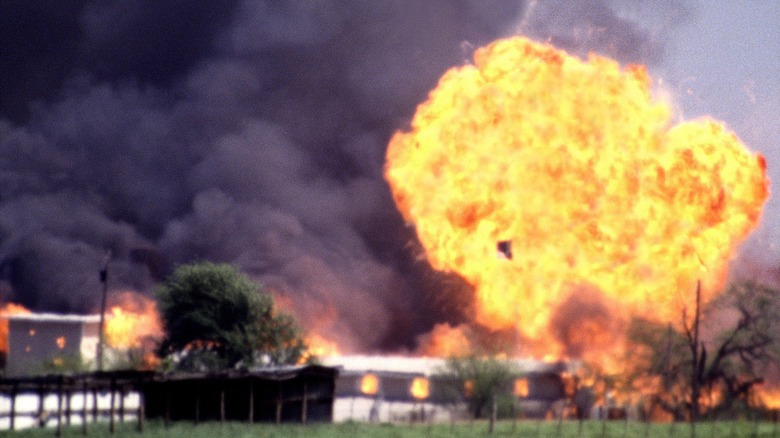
(248, 132)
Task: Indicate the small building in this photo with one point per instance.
(37, 339)
(394, 388)
(287, 394)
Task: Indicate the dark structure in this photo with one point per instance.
(67, 387)
(298, 394)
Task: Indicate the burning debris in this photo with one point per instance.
(577, 161)
(504, 248)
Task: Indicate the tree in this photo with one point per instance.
(217, 318)
(711, 363)
(485, 383)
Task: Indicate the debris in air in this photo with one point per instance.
(504, 249)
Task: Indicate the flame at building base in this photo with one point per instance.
(611, 211)
(7, 310)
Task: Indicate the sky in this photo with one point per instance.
(254, 132)
(728, 54)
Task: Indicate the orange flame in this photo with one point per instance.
(521, 387)
(369, 384)
(8, 309)
(769, 397)
(320, 347)
(420, 388)
(610, 212)
(445, 340)
(132, 320)
(468, 388)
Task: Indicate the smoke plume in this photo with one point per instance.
(247, 132)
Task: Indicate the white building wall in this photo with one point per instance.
(26, 409)
(35, 339)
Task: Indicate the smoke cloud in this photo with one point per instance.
(247, 132)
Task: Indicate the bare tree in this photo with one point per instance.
(712, 363)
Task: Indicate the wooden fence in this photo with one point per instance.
(287, 394)
(86, 387)
(290, 394)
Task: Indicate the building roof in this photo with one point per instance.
(422, 365)
(51, 317)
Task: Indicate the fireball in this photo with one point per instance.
(599, 207)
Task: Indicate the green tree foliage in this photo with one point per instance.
(481, 382)
(217, 318)
(61, 364)
(738, 345)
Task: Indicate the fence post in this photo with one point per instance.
(197, 405)
(94, 403)
(251, 400)
(84, 394)
(122, 404)
(41, 398)
(167, 388)
(13, 407)
(279, 402)
(68, 412)
(58, 432)
(112, 388)
(141, 408)
(222, 402)
(304, 404)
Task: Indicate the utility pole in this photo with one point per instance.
(102, 329)
(698, 353)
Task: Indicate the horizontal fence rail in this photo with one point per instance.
(287, 394)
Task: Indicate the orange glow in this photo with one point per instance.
(320, 347)
(8, 309)
(445, 340)
(610, 210)
(770, 397)
(200, 344)
(369, 384)
(520, 387)
(132, 319)
(60, 342)
(468, 388)
(420, 388)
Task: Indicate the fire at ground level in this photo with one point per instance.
(358, 388)
(401, 383)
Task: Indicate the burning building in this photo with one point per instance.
(615, 211)
(35, 339)
(389, 388)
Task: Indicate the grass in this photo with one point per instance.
(588, 429)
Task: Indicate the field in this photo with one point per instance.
(587, 429)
